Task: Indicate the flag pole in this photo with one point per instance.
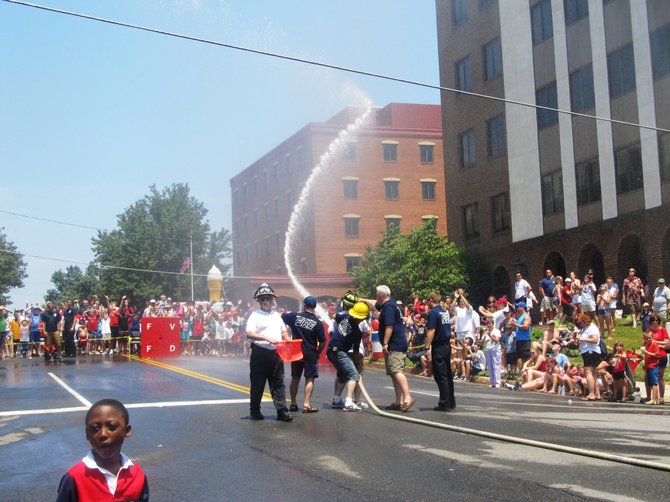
(192, 295)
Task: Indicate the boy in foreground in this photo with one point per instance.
(105, 474)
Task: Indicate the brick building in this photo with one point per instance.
(529, 189)
(392, 173)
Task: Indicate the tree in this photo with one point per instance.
(12, 268)
(73, 284)
(143, 256)
(420, 261)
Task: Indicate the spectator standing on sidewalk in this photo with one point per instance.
(265, 329)
(51, 317)
(547, 290)
(661, 301)
(438, 342)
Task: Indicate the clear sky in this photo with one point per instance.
(92, 114)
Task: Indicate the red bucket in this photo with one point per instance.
(290, 350)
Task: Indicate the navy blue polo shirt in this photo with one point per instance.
(440, 321)
(390, 315)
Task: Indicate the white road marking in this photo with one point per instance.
(598, 494)
(337, 465)
(162, 404)
(76, 394)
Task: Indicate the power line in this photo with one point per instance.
(87, 227)
(332, 66)
(131, 269)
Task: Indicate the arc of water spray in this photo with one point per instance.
(335, 148)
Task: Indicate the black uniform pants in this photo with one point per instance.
(68, 341)
(444, 377)
(266, 365)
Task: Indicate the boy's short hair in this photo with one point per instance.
(118, 405)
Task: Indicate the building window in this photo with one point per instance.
(628, 165)
(541, 21)
(237, 197)
(350, 189)
(660, 52)
(621, 71)
(287, 163)
(464, 74)
(267, 246)
(246, 223)
(265, 178)
(588, 182)
(500, 213)
(390, 152)
(484, 3)
(492, 59)
(547, 97)
(426, 154)
(237, 227)
(278, 239)
(392, 221)
(392, 189)
(275, 172)
(303, 265)
(244, 192)
(431, 219)
(471, 221)
(664, 157)
(497, 138)
(460, 9)
(349, 152)
(428, 190)
(267, 212)
(466, 148)
(254, 184)
(575, 10)
(289, 201)
(582, 96)
(256, 218)
(276, 206)
(301, 158)
(552, 194)
(351, 262)
(351, 226)
(258, 249)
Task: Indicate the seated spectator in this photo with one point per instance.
(536, 366)
(456, 358)
(551, 336)
(478, 360)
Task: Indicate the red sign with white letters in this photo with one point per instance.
(160, 337)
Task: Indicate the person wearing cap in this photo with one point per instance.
(307, 327)
(633, 294)
(438, 341)
(661, 300)
(35, 335)
(347, 335)
(265, 328)
(522, 334)
(567, 308)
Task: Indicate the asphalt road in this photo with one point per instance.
(193, 438)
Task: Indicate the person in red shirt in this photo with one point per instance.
(660, 335)
(651, 354)
(105, 474)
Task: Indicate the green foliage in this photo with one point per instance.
(12, 268)
(142, 257)
(420, 261)
(73, 284)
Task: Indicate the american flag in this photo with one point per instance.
(185, 265)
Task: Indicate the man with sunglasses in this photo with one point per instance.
(265, 328)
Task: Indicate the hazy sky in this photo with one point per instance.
(92, 114)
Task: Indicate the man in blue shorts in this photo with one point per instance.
(347, 334)
(307, 327)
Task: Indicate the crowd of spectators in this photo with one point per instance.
(577, 318)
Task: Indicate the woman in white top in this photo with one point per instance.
(589, 297)
(492, 351)
(589, 347)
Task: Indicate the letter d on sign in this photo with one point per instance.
(173, 348)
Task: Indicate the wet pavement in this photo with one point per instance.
(192, 436)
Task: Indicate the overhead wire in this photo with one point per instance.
(330, 66)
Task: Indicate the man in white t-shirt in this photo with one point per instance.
(265, 328)
(464, 317)
(521, 288)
